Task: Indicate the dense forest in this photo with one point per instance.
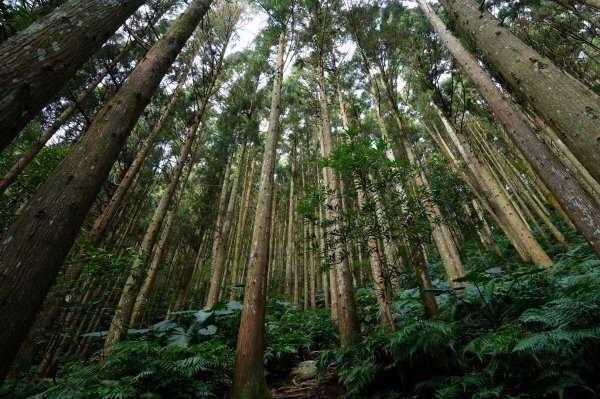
(299, 199)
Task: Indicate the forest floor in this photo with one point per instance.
(320, 388)
(302, 381)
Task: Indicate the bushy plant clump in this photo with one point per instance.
(511, 333)
(191, 355)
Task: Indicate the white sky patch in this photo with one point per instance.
(247, 31)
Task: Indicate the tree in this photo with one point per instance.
(582, 210)
(39, 61)
(249, 377)
(67, 195)
(560, 100)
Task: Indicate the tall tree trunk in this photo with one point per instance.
(219, 261)
(103, 221)
(348, 325)
(305, 266)
(567, 105)
(290, 231)
(241, 226)
(31, 252)
(580, 207)
(249, 377)
(40, 60)
(161, 246)
(11, 175)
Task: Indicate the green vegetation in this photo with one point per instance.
(514, 331)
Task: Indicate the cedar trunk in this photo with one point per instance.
(249, 376)
(566, 104)
(31, 251)
(40, 60)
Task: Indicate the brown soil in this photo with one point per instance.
(327, 388)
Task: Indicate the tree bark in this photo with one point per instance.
(40, 60)
(567, 105)
(580, 207)
(31, 251)
(249, 377)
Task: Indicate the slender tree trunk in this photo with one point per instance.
(313, 270)
(348, 324)
(305, 266)
(241, 226)
(273, 241)
(103, 221)
(160, 246)
(219, 261)
(561, 100)
(122, 316)
(249, 378)
(40, 60)
(63, 201)
(290, 231)
(296, 272)
(223, 201)
(581, 208)
(320, 236)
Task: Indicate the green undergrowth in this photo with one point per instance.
(513, 332)
(189, 357)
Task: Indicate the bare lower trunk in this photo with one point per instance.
(249, 377)
(160, 246)
(219, 260)
(290, 234)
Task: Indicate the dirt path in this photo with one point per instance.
(309, 389)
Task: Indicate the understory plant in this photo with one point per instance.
(524, 333)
